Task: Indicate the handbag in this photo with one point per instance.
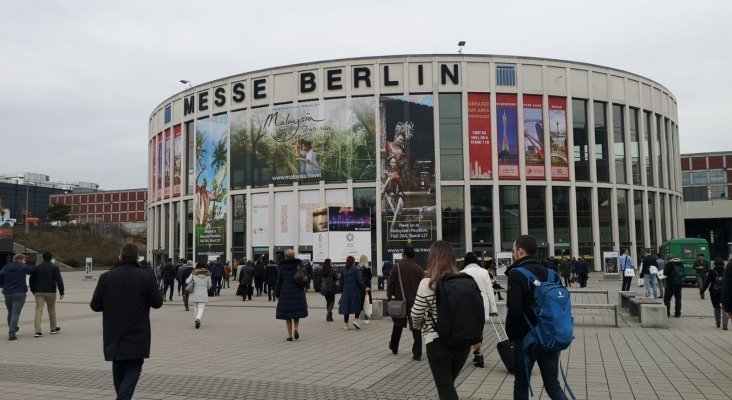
(367, 308)
(398, 308)
(301, 280)
(653, 270)
(629, 272)
(640, 282)
(191, 286)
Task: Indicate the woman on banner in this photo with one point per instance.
(392, 189)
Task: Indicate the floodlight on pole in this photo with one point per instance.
(185, 82)
(460, 46)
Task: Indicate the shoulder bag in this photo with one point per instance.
(191, 286)
(628, 272)
(301, 280)
(398, 308)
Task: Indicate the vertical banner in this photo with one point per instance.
(167, 164)
(212, 183)
(534, 145)
(349, 233)
(320, 234)
(284, 219)
(154, 167)
(260, 220)
(407, 190)
(558, 137)
(309, 201)
(506, 117)
(159, 164)
(177, 159)
(479, 129)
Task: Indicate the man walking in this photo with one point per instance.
(124, 296)
(519, 306)
(168, 278)
(12, 279)
(185, 272)
(44, 281)
(217, 275)
(626, 265)
(701, 267)
(405, 276)
(674, 272)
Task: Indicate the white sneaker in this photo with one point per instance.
(366, 321)
(345, 328)
(356, 325)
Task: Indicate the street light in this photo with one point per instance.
(460, 46)
(185, 82)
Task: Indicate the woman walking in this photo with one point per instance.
(483, 279)
(715, 281)
(292, 304)
(353, 290)
(366, 276)
(270, 280)
(445, 362)
(328, 278)
(201, 278)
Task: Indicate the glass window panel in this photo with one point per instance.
(601, 152)
(239, 226)
(509, 200)
(686, 178)
(662, 209)
(700, 178)
(451, 137)
(638, 211)
(604, 214)
(584, 222)
(581, 142)
(717, 177)
(635, 146)
(623, 221)
(647, 150)
(481, 224)
(560, 210)
(366, 197)
(453, 217)
(659, 153)
(719, 192)
(619, 137)
(536, 212)
(652, 219)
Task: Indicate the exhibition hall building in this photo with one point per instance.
(370, 155)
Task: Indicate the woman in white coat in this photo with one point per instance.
(201, 279)
(483, 279)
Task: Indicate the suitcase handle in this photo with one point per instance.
(496, 330)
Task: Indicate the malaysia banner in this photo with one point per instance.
(479, 131)
(166, 164)
(534, 145)
(159, 163)
(558, 138)
(506, 110)
(177, 153)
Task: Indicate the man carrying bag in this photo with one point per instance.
(402, 286)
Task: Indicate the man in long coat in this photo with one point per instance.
(124, 296)
(411, 275)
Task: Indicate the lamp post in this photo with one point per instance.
(460, 46)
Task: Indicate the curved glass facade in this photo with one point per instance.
(472, 149)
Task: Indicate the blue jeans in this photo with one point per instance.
(14, 303)
(549, 366)
(651, 282)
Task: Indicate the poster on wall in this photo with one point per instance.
(309, 201)
(610, 264)
(507, 136)
(167, 164)
(212, 183)
(503, 261)
(332, 140)
(177, 159)
(154, 168)
(480, 138)
(320, 234)
(284, 219)
(260, 220)
(349, 233)
(407, 189)
(558, 137)
(159, 164)
(534, 145)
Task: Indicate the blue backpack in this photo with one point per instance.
(554, 329)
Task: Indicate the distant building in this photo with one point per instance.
(116, 206)
(707, 184)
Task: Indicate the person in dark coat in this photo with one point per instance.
(246, 276)
(566, 268)
(411, 274)
(715, 292)
(168, 272)
(44, 281)
(727, 290)
(217, 275)
(259, 276)
(292, 304)
(581, 269)
(124, 296)
(353, 290)
(12, 280)
(328, 277)
(270, 278)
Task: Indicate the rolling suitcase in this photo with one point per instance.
(504, 347)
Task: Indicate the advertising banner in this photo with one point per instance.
(154, 168)
(284, 219)
(534, 144)
(167, 164)
(332, 140)
(507, 119)
(503, 261)
(309, 201)
(159, 166)
(212, 184)
(177, 159)
(260, 220)
(320, 234)
(407, 191)
(610, 261)
(349, 233)
(481, 140)
(558, 138)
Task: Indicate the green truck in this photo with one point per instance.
(686, 249)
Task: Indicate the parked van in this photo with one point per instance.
(687, 250)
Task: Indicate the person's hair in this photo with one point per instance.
(440, 262)
(19, 257)
(201, 265)
(289, 254)
(700, 255)
(47, 256)
(470, 258)
(327, 267)
(363, 261)
(409, 252)
(350, 261)
(648, 251)
(718, 261)
(189, 263)
(129, 252)
(527, 243)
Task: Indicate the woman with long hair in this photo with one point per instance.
(292, 304)
(328, 278)
(352, 297)
(445, 362)
(366, 276)
(201, 278)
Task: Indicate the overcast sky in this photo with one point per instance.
(79, 79)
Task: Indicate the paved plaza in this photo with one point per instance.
(240, 352)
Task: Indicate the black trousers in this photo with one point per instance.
(627, 280)
(445, 364)
(185, 298)
(396, 336)
(675, 292)
(166, 285)
(259, 285)
(329, 302)
(126, 373)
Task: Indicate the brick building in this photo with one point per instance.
(105, 207)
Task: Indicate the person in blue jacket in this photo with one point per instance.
(353, 293)
(12, 279)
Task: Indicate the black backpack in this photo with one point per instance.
(678, 276)
(718, 283)
(460, 311)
